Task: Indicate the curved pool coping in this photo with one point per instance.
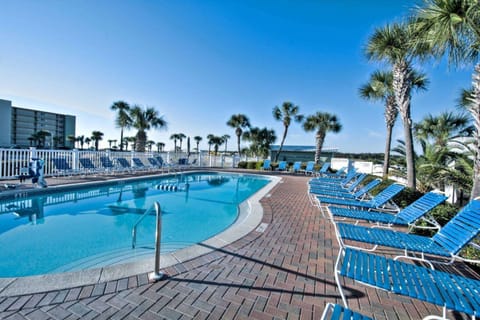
(249, 217)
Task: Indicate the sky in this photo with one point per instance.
(200, 61)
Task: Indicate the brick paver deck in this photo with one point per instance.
(285, 272)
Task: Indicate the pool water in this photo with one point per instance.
(80, 229)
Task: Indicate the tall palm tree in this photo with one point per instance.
(239, 122)
(175, 137)
(88, 141)
(321, 123)
(286, 113)
(123, 119)
(225, 138)
(81, 140)
(71, 138)
(393, 44)
(216, 141)
(181, 136)
(160, 146)
(149, 145)
(451, 28)
(197, 141)
(97, 136)
(144, 120)
(380, 88)
(210, 140)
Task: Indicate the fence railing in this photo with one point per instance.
(13, 160)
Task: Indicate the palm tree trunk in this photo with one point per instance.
(281, 143)
(319, 139)
(475, 111)
(386, 159)
(141, 141)
(121, 139)
(401, 88)
(238, 144)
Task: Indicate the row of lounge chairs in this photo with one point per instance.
(308, 170)
(118, 165)
(356, 260)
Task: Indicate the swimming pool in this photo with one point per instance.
(79, 229)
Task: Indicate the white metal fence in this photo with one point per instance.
(12, 161)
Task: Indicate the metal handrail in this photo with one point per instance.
(134, 229)
(156, 275)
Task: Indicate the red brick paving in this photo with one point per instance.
(284, 273)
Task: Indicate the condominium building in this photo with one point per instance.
(18, 127)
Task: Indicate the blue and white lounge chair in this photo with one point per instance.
(342, 187)
(447, 290)
(310, 168)
(124, 164)
(379, 202)
(282, 166)
(139, 165)
(266, 164)
(338, 312)
(62, 167)
(324, 168)
(358, 195)
(322, 181)
(406, 217)
(297, 165)
(88, 165)
(446, 243)
(107, 164)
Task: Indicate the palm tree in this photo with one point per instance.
(217, 142)
(225, 138)
(321, 122)
(197, 141)
(380, 88)
(88, 141)
(81, 140)
(451, 28)
(132, 141)
(447, 128)
(149, 145)
(181, 136)
(110, 141)
(393, 44)
(260, 140)
(123, 119)
(238, 122)
(444, 141)
(57, 141)
(144, 120)
(41, 137)
(160, 146)
(285, 115)
(174, 137)
(210, 138)
(97, 136)
(71, 138)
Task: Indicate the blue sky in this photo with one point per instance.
(199, 62)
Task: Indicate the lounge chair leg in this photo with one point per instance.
(337, 278)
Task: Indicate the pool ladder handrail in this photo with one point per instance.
(156, 274)
(134, 229)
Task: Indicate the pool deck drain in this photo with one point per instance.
(284, 272)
